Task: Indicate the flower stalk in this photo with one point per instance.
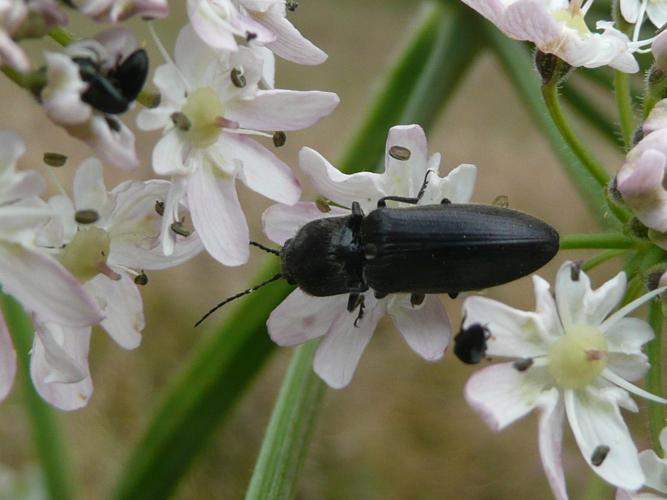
(602, 240)
(656, 411)
(624, 105)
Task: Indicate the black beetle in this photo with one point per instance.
(446, 248)
(114, 91)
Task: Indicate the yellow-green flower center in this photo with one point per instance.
(86, 255)
(203, 109)
(573, 19)
(578, 357)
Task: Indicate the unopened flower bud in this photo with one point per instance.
(550, 67)
(659, 50)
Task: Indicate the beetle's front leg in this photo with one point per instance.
(356, 300)
(382, 202)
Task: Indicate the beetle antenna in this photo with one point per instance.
(234, 297)
(266, 249)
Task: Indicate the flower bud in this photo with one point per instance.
(659, 50)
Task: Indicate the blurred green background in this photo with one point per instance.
(402, 428)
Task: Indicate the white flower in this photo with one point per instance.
(38, 281)
(25, 19)
(264, 22)
(633, 11)
(302, 317)
(113, 11)
(210, 104)
(558, 27)
(640, 179)
(655, 470)
(575, 358)
(66, 103)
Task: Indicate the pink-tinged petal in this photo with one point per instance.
(7, 359)
(596, 420)
(42, 285)
(551, 441)
(337, 186)
(170, 153)
(217, 217)
(12, 55)
(62, 363)
(601, 302)
(640, 183)
(261, 171)
(413, 139)
(339, 352)
(90, 192)
(154, 119)
(501, 394)
(457, 187)
(112, 143)
(282, 109)
(66, 396)
(12, 147)
(514, 333)
(173, 92)
(209, 26)
(61, 97)
(426, 328)
(655, 470)
(281, 222)
(289, 44)
(545, 306)
(301, 317)
(123, 308)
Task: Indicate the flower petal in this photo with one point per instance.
(330, 182)
(282, 109)
(290, 44)
(7, 359)
(339, 353)
(551, 441)
(655, 470)
(122, 306)
(217, 216)
(405, 177)
(514, 333)
(66, 396)
(90, 191)
(501, 394)
(596, 420)
(301, 317)
(42, 285)
(262, 171)
(426, 329)
(281, 222)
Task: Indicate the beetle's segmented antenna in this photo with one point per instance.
(238, 295)
(266, 249)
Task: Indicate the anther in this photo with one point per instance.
(501, 201)
(417, 299)
(291, 5)
(181, 121)
(521, 365)
(55, 159)
(237, 77)
(323, 205)
(400, 153)
(599, 454)
(249, 35)
(112, 123)
(86, 216)
(141, 279)
(279, 138)
(159, 207)
(575, 271)
(180, 229)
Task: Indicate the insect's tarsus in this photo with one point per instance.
(266, 249)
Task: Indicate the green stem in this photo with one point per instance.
(46, 434)
(550, 94)
(287, 436)
(601, 258)
(599, 240)
(624, 104)
(656, 411)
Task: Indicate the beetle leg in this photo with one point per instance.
(382, 202)
(453, 295)
(356, 300)
(379, 295)
(445, 201)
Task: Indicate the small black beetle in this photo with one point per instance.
(114, 91)
(446, 248)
